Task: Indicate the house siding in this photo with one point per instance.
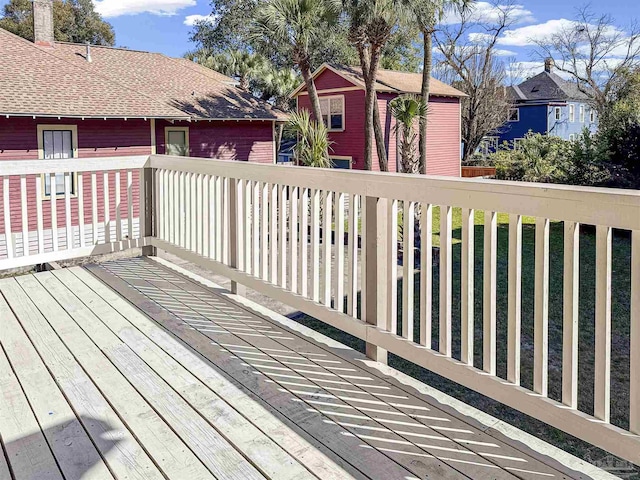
(225, 140)
(96, 138)
(563, 128)
(532, 118)
(443, 137)
(329, 79)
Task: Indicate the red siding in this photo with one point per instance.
(329, 79)
(443, 137)
(96, 138)
(228, 140)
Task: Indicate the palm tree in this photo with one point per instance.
(313, 140)
(276, 85)
(406, 109)
(428, 13)
(371, 25)
(295, 23)
(239, 64)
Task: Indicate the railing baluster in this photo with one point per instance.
(467, 286)
(634, 372)
(282, 236)
(541, 309)
(264, 232)
(188, 211)
(199, 217)
(212, 217)
(25, 215)
(602, 391)
(571, 313)
(53, 189)
(408, 262)
(326, 244)
(226, 220)
(315, 245)
(426, 273)
(67, 210)
(352, 257)
(39, 216)
(392, 304)
(339, 253)
(294, 224)
(304, 242)
(118, 208)
(172, 206)
(7, 216)
(255, 217)
(248, 192)
(194, 204)
(489, 292)
(273, 233)
(206, 216)
(446, 276)
(94, 207)
(159, 199)
(81, 224)
(514, 322)
(182, 202)
(107, 210)
(218, 237)
(363, 258)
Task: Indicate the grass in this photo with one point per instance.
(620, 313)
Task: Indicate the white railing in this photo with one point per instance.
(282, 232)
(327, 242)
(96, 209)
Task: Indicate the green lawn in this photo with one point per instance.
(620, 328)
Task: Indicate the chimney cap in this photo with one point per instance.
(549, 63)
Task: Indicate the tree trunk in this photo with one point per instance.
(381, 146)
(424, 93)
(279, 130)
(313, 93)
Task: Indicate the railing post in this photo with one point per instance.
(147, 209)
(235, 236)
(376, 271)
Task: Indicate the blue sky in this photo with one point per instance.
(164, 25)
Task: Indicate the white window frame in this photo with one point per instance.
(557, 113)
(517, 110)
(581, 113)
(572, 112)
(328, 99)
(40, 129)
(592, 115)
(572, 137)
(343, 157)
(516, 143)
(176, 129)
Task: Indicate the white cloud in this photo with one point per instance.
(529, 35)
(116, 8)
(504, 53)
(485, 12)
(191, 20)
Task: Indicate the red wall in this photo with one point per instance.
(228, 140)
(443, 135)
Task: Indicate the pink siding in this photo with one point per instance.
(443, 137)
(228, 140)
(329, 79)
(96, 138)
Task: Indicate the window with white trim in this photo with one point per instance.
(558, 113)
(58, 142)
(572, 137)
(332, 109)
(592, 115)
(514, 114)
(581, 113)
(572, 112)
(517, 143)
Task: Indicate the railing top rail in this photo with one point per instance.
(39, 167)
(597, 206)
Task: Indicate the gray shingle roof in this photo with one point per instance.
(547, 86)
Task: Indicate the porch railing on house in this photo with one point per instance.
(327, 242)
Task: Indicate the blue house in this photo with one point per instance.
(545, 104)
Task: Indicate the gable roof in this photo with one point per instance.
(36, 82)
(117, 83)
(547, 86)
(391, 81)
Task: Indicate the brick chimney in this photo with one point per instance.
(43, 22)
(549, 64)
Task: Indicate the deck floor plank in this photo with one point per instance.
(265, 454)
(208, 445)
(421, 449)
(74, 451)
(285, 435)
(335, 439)
(119, 448)
(163, 445)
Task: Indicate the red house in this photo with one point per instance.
(342, 99)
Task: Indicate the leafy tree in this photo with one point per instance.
(406, 109)
(313, 144)
(239, 64)
(74, 21)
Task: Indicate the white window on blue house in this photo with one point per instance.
(514, 114)
(581, 113)
(572, 112)
(572, 137)
(517, 143)
(592, 115)
(332, 109)
(558, 113)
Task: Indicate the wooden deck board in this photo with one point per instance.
(75, 453)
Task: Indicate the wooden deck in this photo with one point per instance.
(200, 386)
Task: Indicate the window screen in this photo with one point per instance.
(58, 145)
